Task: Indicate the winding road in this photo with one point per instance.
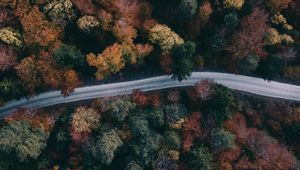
(237, 82)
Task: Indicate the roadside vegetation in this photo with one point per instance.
(63, 44)
(207, 126)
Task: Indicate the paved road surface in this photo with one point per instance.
(236, 82)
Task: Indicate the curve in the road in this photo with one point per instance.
(237, 82)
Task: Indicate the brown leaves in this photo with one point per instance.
(35, 72)
(36, 28)
(250, 39)
(191, 130)
(202, 90)
(277, 5)
(7, 57)
(267, 152)
(144, 100)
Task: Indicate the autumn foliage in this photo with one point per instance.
(7, 57)
(37, 118)
(141, 99)
(110, 61)
(250, 40)
(191, 130)
(36, 28)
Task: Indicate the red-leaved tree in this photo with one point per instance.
(250, 39)
(191, 130)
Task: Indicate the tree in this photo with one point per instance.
(269, 154)
(222, 140)
(146, 147)
(21, 138)
(187, 8)
(133, 11)
(183, 60)
(166, 63)
(231, 20)
(138, 126)
(250, 39)
(108, 144)
(238, 126)
(205, 11)
(132, 165)
(28, 72)
(174, 96)
(87, 23)
(277, 5)
(144, 100)
(248, 64)
(9, 88)
(124, 32)
(8, 3)
(35, 26)
(271, 67)
(164, 162)
(174, 115)
(279, 20)
(202, 90)
(110, 61)
(200, 158)
(69, 82)
(60, 12)
(223, 98)
(8, 57)
(156, 118)
(173, 140)
(164, 37)
(120, 108)
(10, 36)
(237, 4)
(69, 56)
(85, 120)
(191, 130)
(272, 37)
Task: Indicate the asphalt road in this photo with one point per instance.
(237, 82)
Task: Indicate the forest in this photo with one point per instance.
(64, 44)
(48, 45)
(174, 129)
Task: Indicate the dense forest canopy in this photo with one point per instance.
(64, 44)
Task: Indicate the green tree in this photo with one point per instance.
(9, 88)
(132, 165)
(188, 8)
(224, 99)
(231, 20)
(248, 64)
(200, 158)
(21, 138)
(108, 144)
(146, 147)
(217, 43)
(69, 56)
(138, 125)
(173, 139)
(156, 118)
(120, 108)
(174, 115)
(271, 67)
(183, 60)
(222, 140)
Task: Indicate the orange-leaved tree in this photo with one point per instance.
(108, 62)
